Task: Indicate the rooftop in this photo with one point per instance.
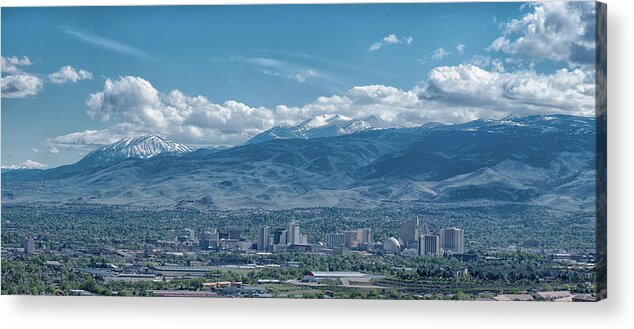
(183, 268)
(335, 274)
(514, 297)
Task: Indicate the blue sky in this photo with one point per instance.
(217, 75)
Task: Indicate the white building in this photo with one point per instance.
(392, 245)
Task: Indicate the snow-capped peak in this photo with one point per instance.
(145, 147)
(323, 120)
(141, 147)
(323, 125)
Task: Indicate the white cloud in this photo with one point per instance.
(86, 140)
(439, 54)
(21, 85)
(69, 74)
(131, 97)
(389, 103)
(390, 40)
(302, 76)
(18, 84)
(436, 55)
(521, 92)
(35, 150)
(139, 108)
(28, 164)
(558, 31)
(460, 48)
(12, 64)
(449, 94)
(488, 63)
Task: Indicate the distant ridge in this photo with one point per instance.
(324, 125)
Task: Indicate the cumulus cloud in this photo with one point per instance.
(28, 164)
(131, 97)
(12, 64)
(390, 39)
(388, 103)
(138, 108)
(460, 48)
(21, 85)
(558, 31)
(18, 84)
(521, 92)
(449, 94)
(68, 74)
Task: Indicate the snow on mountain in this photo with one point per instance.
(28, 164)
(142, 147)
(542, 161)
(324, 125)
(323, 120)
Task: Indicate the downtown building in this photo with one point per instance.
(209, 238)
(279, 236)
(429, 245)
(452, 240)
(29, 245)
(282, 239)
(186, 234)
(334, 240)
(264, 237)
(293, 236)
(411, 230)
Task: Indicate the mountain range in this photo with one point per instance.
(324, 125)
(337, 161)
